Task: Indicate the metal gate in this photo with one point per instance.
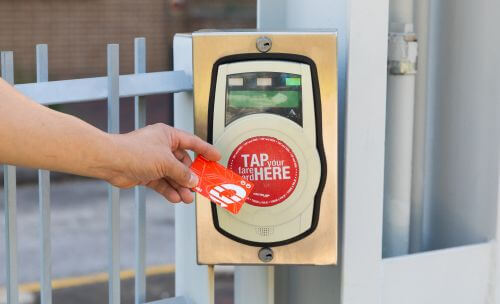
(113, 87)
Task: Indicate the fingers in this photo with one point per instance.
(180, 173)
(186, 195)
(162, 187)
(172, 191)
(196, 144)
(183, 156)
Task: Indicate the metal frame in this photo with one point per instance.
(113, 87)
(320, 246)
(78, 90)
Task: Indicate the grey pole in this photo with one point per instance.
(7, 63)
(140, 194)
(114, 192)
(42, 75)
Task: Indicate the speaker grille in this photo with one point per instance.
(264, 231)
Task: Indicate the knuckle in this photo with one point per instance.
(161, 127)
(160, 169)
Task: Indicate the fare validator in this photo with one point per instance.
(268, 102)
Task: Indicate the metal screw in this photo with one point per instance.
(266, 255)
(264, 44)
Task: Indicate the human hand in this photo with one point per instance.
(156, 156)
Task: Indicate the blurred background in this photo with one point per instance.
(77, 32)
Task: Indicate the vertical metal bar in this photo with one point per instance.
(113, 192)
(362, 224)
(398, 136)
(496, 258)
(140, 194)
(193, 281)
(271, 14)
(421, 125)
(254, 284)
(42, 75)
(7, 63)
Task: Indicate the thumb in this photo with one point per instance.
(181, 174)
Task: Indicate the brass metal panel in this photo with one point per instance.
(320, 247)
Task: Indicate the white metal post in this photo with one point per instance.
(254, 284)
(364, 146)
(271, 14)
(192, 281)
(307, 284)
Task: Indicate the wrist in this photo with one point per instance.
(115, 158)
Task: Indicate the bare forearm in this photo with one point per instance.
(32, 135)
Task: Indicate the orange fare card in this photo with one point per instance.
(221, 185)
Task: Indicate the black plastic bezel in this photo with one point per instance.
(319, 136)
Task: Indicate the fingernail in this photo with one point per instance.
(193, 180)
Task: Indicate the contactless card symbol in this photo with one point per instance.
(221, 185)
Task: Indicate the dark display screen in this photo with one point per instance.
(264, 92)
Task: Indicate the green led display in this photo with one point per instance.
(295, 81)
(264, 99)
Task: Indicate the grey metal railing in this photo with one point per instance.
(113, 87)
(42, 75)
(7, 62)
(140, 194)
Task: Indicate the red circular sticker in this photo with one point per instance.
(270, 164)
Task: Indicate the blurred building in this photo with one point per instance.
(77, 32)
